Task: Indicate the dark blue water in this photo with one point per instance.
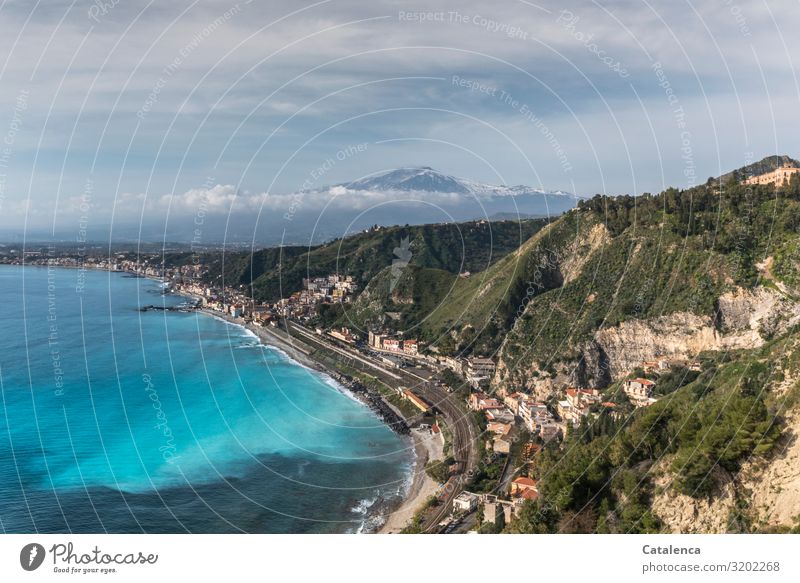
(114, 420)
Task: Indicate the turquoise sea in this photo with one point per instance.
(115, 420)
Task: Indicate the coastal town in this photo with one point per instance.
(477, 448)
(528, 271)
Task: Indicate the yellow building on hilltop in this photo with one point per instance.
(777, 176)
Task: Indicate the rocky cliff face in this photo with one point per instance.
(765, 490)
(770, 493)
(624, 347)
(775, 487)
(745, 319)
(578, 252)
(683, 514)
(748, 317)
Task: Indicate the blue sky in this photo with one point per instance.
(134, 107)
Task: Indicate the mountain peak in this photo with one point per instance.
(419, 178)
(427, 179)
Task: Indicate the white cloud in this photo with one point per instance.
(88, 79)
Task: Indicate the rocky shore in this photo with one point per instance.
(374, 401)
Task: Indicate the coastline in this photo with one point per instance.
(271, 337)
(387, 518)
(426, 446)
(390, 517)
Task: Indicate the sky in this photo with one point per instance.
(126, 113)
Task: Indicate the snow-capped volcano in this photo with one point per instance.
(405, 196)
(423, 179)
(426, 179)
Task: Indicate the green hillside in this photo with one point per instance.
(278, 272)
(673, 252)
(473, 314)
(618, 258)
(411, 294)
(603, 478)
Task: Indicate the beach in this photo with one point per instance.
(427, 446)
(275, 337)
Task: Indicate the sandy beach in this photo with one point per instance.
(427, 447)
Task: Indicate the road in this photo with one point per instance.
(456, 417)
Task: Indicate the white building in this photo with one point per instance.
(478, 370)
(465, 502)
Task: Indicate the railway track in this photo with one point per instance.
(462, 426)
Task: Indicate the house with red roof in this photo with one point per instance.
(524, 488)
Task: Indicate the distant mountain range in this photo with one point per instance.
(416, 196)
(404, 196)
(426, 179)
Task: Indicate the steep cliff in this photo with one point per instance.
(744, 319)
(680, 513)
(709, 276)
(774, 487)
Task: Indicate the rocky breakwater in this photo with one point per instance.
(374, 401)
(184, 307)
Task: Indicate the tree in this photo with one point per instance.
(437, 470)
(534, 518)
